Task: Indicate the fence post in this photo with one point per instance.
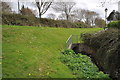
(69, 42)
(72, 39)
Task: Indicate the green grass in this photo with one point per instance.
(35, 51)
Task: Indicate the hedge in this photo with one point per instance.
(23, 20)
(114, 24)
(107, 47)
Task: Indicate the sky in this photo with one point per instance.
(95, 5)
(92, 5)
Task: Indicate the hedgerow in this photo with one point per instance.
(24, 20)
(106, 45)
(114, 24)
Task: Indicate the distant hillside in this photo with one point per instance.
(17, 19)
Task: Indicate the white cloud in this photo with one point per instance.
(92, 5)
(95, 5)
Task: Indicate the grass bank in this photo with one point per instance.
(30, 52)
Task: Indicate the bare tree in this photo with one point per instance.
(64, 7)
(94, 15)
(6, 7)
(61, 17)
(83, 14)
(104, 3)
(73, 18)
(43, 6)
(89, 16)
(78, 14)
(51, 16)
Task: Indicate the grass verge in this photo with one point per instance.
(33, 52)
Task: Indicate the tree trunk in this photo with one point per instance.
(67, 17)
(40, 15)
(39, 12)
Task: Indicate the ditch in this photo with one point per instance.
(86, 50)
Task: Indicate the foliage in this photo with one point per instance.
(27, 11)
(23, 20)
(114, 24)
(106, 44)
(99, 22)
(32, 52)
(18, 19)
(81, 65)
(6, 7)
(83, 25)
(68, 52)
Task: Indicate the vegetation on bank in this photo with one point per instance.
(114, 24)
(81, 66)
(82, 16)
(33, 52)
(106, 44)
(24, 20)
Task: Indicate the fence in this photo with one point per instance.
(72, 39)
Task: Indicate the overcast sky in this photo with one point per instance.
(92, 5)
(95, 5)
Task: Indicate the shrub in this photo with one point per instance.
(106, 44)
(17, 19)
(82, 25)
(27, 11)
(81, 65)
(68, 52)
(27, 20)
(114, 24)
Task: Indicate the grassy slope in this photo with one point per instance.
(34, 51)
